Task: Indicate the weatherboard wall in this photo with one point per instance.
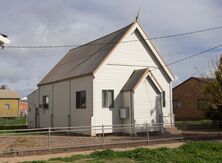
(33, 103)
(115, 72)
(82, 117)
(44, 114)
(62, 111)
(61, 104)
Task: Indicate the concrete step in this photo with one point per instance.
(172, 130)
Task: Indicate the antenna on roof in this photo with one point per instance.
(138, 14)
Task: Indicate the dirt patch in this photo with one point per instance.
(46, 157)
(42, 144)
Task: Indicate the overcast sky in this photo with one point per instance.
(62, 22)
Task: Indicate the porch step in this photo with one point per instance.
(172, 130)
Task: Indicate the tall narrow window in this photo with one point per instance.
(107, 98)
(164, 98)
(45, 99)
(81, 99)
(45, 102)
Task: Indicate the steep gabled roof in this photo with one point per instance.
(137, 76)
(134, 79)
(207, 80)
(85, 59)
(201, 79)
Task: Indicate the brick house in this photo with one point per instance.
(189, 101)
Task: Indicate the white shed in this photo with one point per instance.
(117, 79)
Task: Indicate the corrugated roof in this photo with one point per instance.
(134, 79)
(84, 59)
(8, 94)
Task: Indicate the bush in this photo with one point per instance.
(214, 114)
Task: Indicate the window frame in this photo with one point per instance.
(45, 101)
(79, 105)
(8, 107)
(105, 103)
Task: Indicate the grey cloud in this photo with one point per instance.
(59, 22)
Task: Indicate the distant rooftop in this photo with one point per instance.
(204, 79)
(6, 93)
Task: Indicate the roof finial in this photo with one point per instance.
(138, 14)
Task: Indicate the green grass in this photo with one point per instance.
(18, 121)
(192, 152)
(198, 122)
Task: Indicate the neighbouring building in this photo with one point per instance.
(189, 101)
(111, 80)
(23, 107)
(9, 102)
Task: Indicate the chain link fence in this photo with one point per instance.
(57, 138)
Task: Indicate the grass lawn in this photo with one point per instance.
(18, 121)
(191, 152)
(198, 122)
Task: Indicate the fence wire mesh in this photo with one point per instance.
(21, 140)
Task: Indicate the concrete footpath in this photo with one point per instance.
(68, 154)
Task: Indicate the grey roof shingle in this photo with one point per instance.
(84, 59)
(8, 94)
(134, 79)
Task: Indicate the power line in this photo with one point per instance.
(191, 56)
(76, 45)
(187, 33)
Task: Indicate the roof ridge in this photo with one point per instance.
(102, 42)
(104, 46)
(102, 37)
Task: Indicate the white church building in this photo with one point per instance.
(119, 78)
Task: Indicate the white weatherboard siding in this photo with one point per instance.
(146, 104)
(44, 114)
(61, 104)
(82, 117)
(132, 53)
(109, 77)
(127, 104)
(32, 104)
(115, 72)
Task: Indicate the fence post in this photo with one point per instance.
(162, 128)
(102, 135)
(147, 133)
(15, 149)
(49, 135)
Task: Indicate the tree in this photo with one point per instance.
(213, 92)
